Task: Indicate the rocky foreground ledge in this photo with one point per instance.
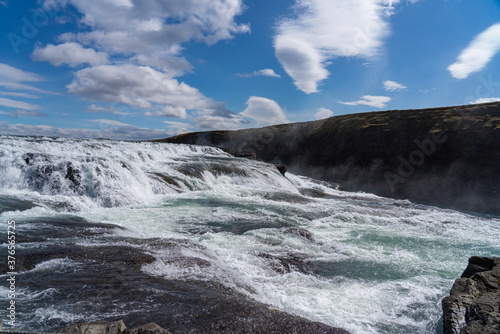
(118, 327)
(473, 306)
(113, 327)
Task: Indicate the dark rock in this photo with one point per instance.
(112, 327)
(166, 179)
(315, 193)
(247, 155)
(284, 263)
(282, 168)
(73, 174)
(150, 328)
(473, 306)
(478, 264)
(368, 152)
(98, 327)
(301, 232)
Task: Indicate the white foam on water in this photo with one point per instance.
(55, 264)
(80, 175)
(370, 264)
(36, 295)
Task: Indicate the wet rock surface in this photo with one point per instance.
(85, 269)
(112, 327)
(473, 306)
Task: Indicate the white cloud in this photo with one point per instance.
(17, 104)
(264, 111)
(323, 113)
(370, 100)
(486, 100)
(14, 78)
(4, 3)
(170, 63)
(392, 86)
(142, 42)
(179, 127)
(98, 108)
(17, 113)
(144, 26)
(214, 122)
(139, 86)
(94, 108)
(267, 72)
(321, 30)
(478, 53)
(109, 122)
(22, 95)
(72, 54)
(12, 74)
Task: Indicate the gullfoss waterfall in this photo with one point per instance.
(192, 238)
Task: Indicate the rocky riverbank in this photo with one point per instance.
(112, 327)
(473, 306)
(442, 156)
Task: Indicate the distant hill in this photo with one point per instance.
(443, 156)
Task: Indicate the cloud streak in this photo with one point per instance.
(267, 72)
(4, 102)
(370, 100)
(392, 86)
(478, 53)
(109, 122)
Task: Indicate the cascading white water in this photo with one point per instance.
(353, 260)
(97, 173)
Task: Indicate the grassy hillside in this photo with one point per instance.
(445, 156)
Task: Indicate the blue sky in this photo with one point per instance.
(144, 69)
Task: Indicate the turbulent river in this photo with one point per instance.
(189, 236)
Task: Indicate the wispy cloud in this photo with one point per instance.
(392, 86)
(321, 30)
(109, 122)
(17, 113)
(478, 53)
(12, 74)
(17, 104)
(179, 127)
(94, 108)
(22, 95)
(267, 72)
(370, 100)
(15, 79)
